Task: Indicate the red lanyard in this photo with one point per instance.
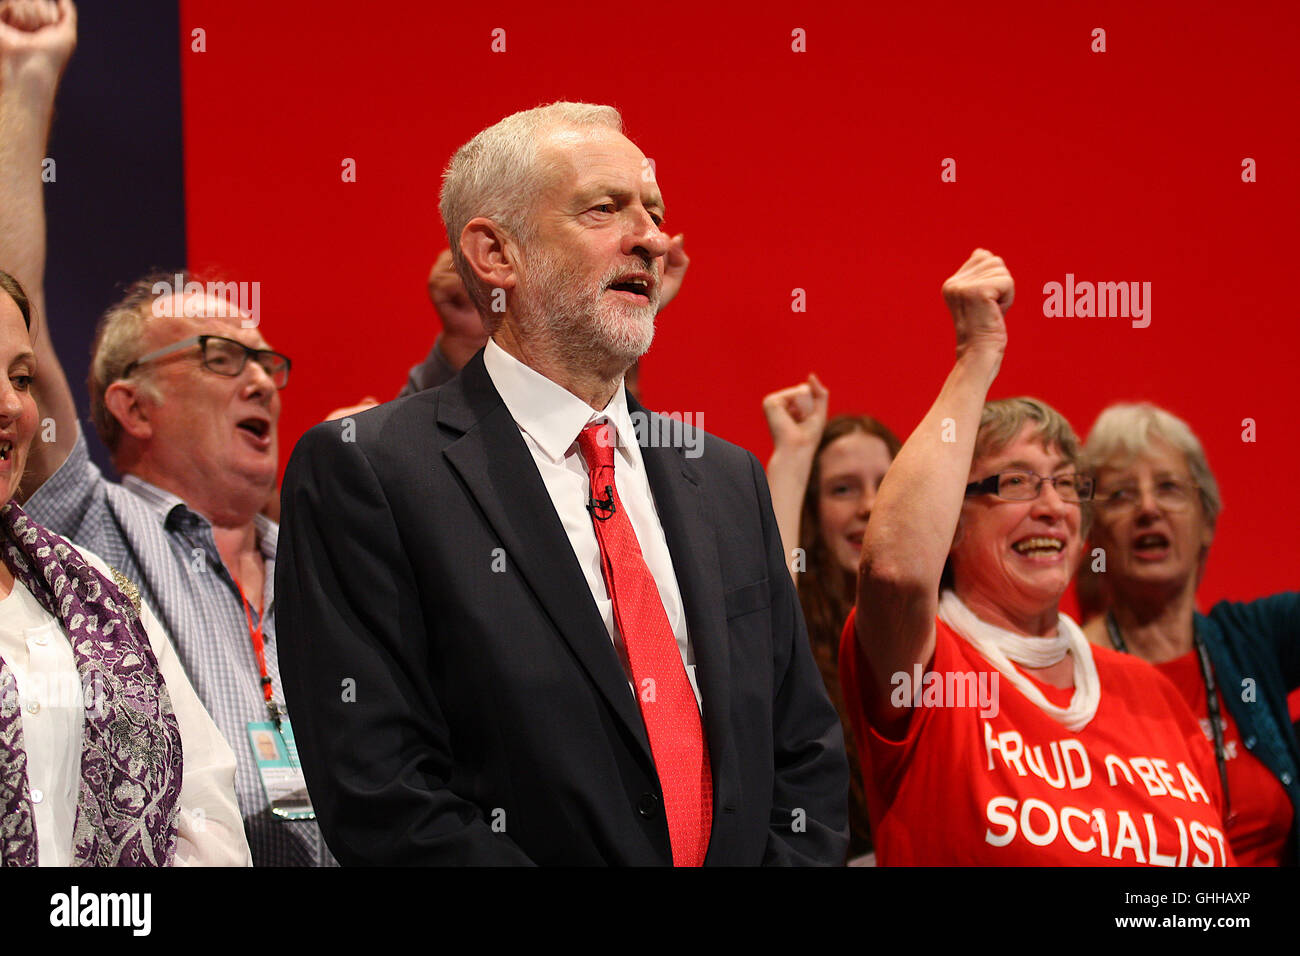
(259, 649)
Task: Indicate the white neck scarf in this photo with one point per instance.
(1000, 647)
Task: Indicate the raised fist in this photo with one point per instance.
(448, 295)
(462, 327)
(366, 403)
(676, 262)
(36, 38)
(796, 416)
(29, 15)
(978, 296)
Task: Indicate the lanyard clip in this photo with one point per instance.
(276, 713)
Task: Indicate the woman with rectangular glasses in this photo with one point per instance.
(1157, 508)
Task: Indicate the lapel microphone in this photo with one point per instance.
(605, 505)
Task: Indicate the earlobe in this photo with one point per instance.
(489, 252)
(124, 403)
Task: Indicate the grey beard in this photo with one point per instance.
(567, 321)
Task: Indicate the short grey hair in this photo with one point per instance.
(118, 343)
(1002, 420)
(497, 175)
(1125, 431)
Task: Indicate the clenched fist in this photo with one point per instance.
(676, 262)
(29, 15)
(978, 296)
(796, 416)
(462, 327)
(450, 298)
(366, 403)
(36, 39)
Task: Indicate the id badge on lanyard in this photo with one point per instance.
(276, 753)
(274, 749)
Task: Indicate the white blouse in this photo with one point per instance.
(39, 654)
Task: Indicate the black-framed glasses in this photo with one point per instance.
(1026, 486)
(225, 357)
(1170, 494)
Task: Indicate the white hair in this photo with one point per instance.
(1126, 431)
(497, 176)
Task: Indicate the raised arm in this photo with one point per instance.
(796, 417)
(36, 40)
(916, 511)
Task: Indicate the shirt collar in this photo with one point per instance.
(168, 508)
(172, 512)
(549, 413)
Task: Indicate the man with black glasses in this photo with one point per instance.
(186, 395)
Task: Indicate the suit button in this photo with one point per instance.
(648, 805)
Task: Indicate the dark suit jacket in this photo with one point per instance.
(454, 693)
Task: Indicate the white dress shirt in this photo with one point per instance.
(550, 418)
(37, 650)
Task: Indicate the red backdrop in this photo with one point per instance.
(817, 170)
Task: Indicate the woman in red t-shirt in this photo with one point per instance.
(990, 731)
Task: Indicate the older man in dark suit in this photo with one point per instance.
(517, 625)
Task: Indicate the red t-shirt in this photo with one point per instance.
(1259, 827)
(1000, 782)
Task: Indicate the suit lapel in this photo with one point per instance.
(676, 482)
(499, 472)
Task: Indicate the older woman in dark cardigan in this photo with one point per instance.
(1157, 508)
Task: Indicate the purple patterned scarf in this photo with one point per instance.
(131, 745)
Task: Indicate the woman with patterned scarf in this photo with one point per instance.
(992, 732)
(107, 758)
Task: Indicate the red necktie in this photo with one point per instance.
(672, 717)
